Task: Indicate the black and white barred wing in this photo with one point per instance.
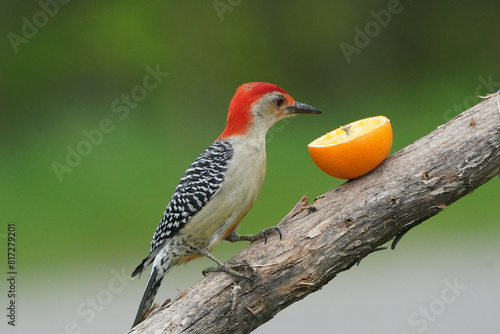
(198, 185)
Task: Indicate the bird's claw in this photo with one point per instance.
(271, 229)
(234, 237)
(398, 238)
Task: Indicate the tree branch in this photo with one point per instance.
(341, 227)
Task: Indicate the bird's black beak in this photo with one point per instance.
(301, 108)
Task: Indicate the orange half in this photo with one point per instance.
(354, 149)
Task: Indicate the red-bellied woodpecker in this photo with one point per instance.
(219, 188)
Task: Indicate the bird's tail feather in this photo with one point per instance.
(140, 268)
(154, 283)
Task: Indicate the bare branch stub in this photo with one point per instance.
(342, 227)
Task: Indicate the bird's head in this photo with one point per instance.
(259, 105)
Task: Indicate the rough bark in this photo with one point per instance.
(341, 227)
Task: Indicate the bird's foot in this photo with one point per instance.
(223, 266)
(234, 237)
(228, 269)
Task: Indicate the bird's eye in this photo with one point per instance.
(278, 101)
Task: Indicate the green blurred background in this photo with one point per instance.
(420, 66)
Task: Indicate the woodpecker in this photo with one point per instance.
(219, 188)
